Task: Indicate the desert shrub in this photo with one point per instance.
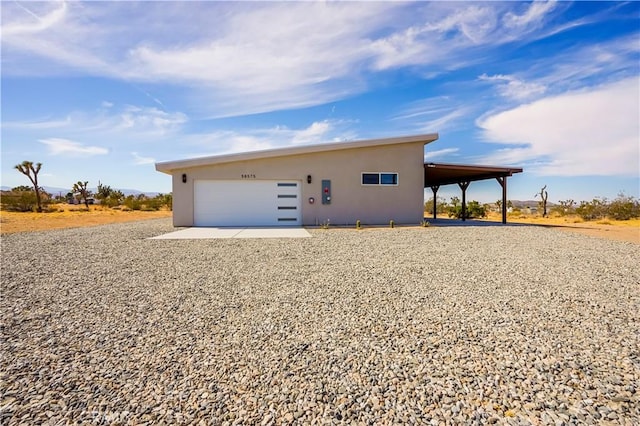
(152, 204)
(23, 201)
(169, 201)
(166, 200)
(624, 208)
(19, 201)
(474, 210)
(110, 202)
(564, 208)
(592, 210)
(441, 206)
(132, 203)
(108, 197)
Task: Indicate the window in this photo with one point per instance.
(388, 178)
(380, 178)
(370, 178)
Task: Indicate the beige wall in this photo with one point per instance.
(350, 201)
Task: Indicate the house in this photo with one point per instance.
(373, 181)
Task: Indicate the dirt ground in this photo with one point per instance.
(619, 230)
(72, 216)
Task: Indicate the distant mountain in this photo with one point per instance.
(63, 191)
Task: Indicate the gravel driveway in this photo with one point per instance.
(507, 325)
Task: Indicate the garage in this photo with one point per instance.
(247, 203)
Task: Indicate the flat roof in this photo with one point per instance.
(436, 174)
(169, 166)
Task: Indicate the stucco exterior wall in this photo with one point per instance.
(350, 200)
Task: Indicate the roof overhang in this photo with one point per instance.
(436, 174)
(169, 166)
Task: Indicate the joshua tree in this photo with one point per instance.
(543, 196)
(27, 169)
(81, 188)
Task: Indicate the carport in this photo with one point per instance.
(438, 174)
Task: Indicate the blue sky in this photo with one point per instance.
(100, 91)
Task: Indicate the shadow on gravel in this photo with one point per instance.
(470, 222)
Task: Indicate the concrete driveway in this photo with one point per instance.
(211, 233)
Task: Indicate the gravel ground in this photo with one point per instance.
(464, 325)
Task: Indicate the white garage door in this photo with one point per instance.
(247, 203)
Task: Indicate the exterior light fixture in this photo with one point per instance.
(184, 178)
(308, 178)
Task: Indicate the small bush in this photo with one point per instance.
(474, 209)
(151, 204)
(592, 210)
(624, 208)
(20, 201)
(132, 203)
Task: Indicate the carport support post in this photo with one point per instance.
(502, 180)
(464, 186)
(435, 192)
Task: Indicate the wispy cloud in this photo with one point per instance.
(564, 71)
(242, 58)
(38, 124)
(453, 32)
(514, 88)
(445, 121)
(430, 155)
(37, 18)
(110, 119)
(315, 133)
(533, 15)
(139, 160)
(59, 146)
(588, 132)
(437, 114)
(151, 119)
(232, 141)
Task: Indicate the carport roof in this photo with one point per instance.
(436, 174)
(169, 166)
